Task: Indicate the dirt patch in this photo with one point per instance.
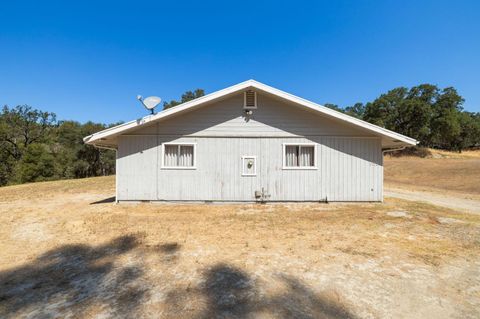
(467, 205)
(34, 231)
(66, 257)
(397, 213)
(447, 220)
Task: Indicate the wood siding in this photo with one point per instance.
(273, 117)
(348, 169)
(349, 160)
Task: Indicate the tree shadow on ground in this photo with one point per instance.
(169, 248)
(229, 292)
(74, 278)
(90, 281)
(299, 301)
(166, 252)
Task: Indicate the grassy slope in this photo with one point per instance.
(446, 172)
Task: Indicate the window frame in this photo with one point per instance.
(284, 159)
(254, 165)
(194, 145)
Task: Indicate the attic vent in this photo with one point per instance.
(250, 100)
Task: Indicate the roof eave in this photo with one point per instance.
(119, 129)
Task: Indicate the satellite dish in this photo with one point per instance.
(150, 102)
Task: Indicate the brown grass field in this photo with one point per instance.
(67, 250)
(457, 174)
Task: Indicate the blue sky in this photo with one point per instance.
(88, 60)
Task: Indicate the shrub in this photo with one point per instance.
(416, 151)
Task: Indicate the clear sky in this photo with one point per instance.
(88, 60)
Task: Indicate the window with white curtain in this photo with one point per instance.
(298, 156)
(178, 156)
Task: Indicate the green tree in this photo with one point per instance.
(68, 141)
(334, 107)
(76, 159)
(470, 130)
(94, 161)
(406, 111)
(7, 165)
(357, 110)
(22, 126)
(446, 117)
(432, 116)
(37, 164)
(383, 110)
(187, 96)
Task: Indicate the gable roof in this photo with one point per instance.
(98, 138)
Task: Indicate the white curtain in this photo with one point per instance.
(186, 156)
(171, 155)
(178, 156)
(291, 155)
(306, 156)
(299, 156)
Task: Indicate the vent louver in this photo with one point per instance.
(250, 100)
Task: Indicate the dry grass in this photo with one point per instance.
(463, 154)
(455, 173)
(270, 261)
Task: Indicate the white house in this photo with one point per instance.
(249, 142)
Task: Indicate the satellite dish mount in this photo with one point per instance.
(150, 103)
